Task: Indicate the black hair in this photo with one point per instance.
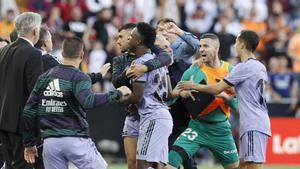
(250, 39)
(72, 47)
(147, 32)
(127, 26)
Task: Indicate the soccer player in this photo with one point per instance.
(209, 126)
(120, 65)
(150, 92)
(249, 79)
(56, 107)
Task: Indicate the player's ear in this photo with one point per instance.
(242, 46)
(81, 54)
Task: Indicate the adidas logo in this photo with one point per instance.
(53, 89)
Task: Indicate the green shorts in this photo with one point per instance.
(216, 137)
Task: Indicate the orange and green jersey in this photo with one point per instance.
(218, 109)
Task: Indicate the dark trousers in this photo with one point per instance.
(13, 152)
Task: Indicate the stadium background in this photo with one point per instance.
(97, 21)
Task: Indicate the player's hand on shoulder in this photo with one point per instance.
(124, 90)
(136, 70)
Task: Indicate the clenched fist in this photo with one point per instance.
(124, 90)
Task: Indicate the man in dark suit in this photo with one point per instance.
(20, 66)
(45, 45)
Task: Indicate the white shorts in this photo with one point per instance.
(253, 146)
(153, 137)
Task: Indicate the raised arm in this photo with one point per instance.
(97, 77)
(190, 45)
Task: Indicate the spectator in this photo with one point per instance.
(41, 7)
(294, 49)
(246, 8)
(226, 39)
(100, 25)
(200, 15)
(127, 11)
(8, 5)
(284, 84)
(94, 7)
(54, 22)
(168, 9)
(232, 25)
(97, 58)
(75, 26)
(278, 46)
(7, 24)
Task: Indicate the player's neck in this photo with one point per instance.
(215, 63)
(71, 62)
(141, 50)
(247, 55)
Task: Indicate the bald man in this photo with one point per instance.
(209, 126)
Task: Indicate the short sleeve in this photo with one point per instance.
(238, 74)
(143, 78)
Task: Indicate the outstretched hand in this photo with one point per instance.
(104, 69)
(30, 153)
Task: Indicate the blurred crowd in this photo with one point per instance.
(97, 21)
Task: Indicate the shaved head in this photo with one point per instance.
(214, 40)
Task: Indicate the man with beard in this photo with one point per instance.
(209, 126)
(249, 79)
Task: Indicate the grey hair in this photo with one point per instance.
(26, 22)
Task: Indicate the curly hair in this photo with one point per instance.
(147, 32)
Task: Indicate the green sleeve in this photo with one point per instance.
(30, 117)
(193, 71)
(232, 103)
(187, 74)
